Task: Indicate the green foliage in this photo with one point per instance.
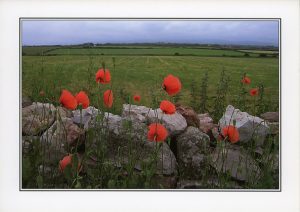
(220, 102)
(194, 96)
(203, 94)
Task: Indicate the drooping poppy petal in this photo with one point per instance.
(167, 107)
(102, 76)
(66, 161)
(171, 85)
(157, 132)
(254, 92)
(108, 98)
(246, 80)
(232, 133)
(137, 98)
(68, 100)
(83, 99)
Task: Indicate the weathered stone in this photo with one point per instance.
(238, 164)
(135, 112)
(175, 123)
(86, 116)
(270, 116)
(274, 128)
(26, 101)
(63, 113)
(192, 145)
(37, 117)
(125, 138)
(249, 127)
(57, 140)
(206, 122)
(27, 143)
(189, 114)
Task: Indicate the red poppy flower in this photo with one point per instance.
(83, 99)
(254, 92)
(42, 93)
(246, 80)
(171, 85)
(66, 161)
(108, 98)
(167, 107)
(68, 100)
(157, 132)
(102, 76)
(136, 98)
(232, 133)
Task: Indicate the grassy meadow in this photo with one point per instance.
(140, 70)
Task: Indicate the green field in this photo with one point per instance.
(137, 73)
(146, 51)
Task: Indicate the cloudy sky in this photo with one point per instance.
(49, 32)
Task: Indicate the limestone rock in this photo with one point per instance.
(85, 118)
(192, 145)
(274, 128)
(27, 143)
(175, 123)
(37, 117)
(238, 164)
(61, 136)
(206, 122)
(249, 127)
(270, 116)
(125, 138)
(63, 113)
(189, 114)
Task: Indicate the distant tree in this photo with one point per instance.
(246, 55)
(262, 55)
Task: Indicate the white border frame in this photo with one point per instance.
(11, 199)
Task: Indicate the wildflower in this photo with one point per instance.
(68, 100)
(232, 133)
(246, 80)
(108, 98)
(66, 161)
(102, 76)
(254, 92)
(171, 85)
(42, 93)
(136, 98)
(167, 107)
(82, 99)
(157, 132)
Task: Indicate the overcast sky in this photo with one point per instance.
(49, 32)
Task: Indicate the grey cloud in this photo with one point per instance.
(72, 32)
